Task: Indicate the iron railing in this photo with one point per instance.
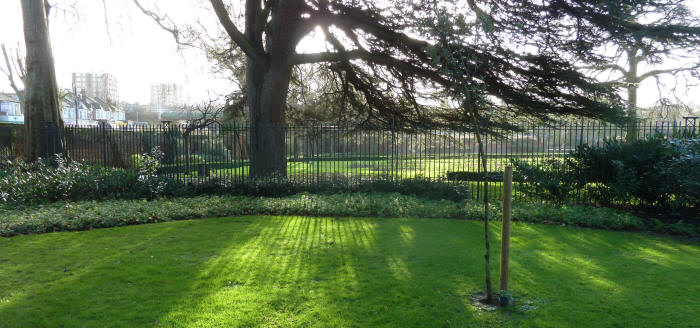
(317, 153)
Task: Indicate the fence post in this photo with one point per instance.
(393, 149)
(103, 126)
(505, 231)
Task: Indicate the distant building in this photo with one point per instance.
(97, 85)
(10, 109)
(91, 110)
(166, 95)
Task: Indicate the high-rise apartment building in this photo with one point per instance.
(166, 95)
(97, 85)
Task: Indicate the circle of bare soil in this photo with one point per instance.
(480, 302)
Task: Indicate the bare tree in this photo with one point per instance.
(200, 116)
(14, 65)
(41, 102)
(15, 70)
(665, 109)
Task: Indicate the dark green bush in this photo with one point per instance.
(474, 176)
(654, 172)
(281, 186)
(552, 179)
(26, 184)
(194, 159)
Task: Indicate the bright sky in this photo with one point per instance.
(139, 53)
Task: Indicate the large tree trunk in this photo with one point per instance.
(267, 95)
(267, 81)
(632, 81)
(41, 102)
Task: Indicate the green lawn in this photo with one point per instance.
(400, 167)
(336, 272)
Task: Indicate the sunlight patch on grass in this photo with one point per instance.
(321, 272)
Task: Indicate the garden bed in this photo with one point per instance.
(85, 215)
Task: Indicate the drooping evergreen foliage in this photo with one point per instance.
(519, 57)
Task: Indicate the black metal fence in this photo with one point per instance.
(317, 153)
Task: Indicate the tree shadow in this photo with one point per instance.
(337, 272)
(304, 271)
(248, 271)
(620, 278)
(113, 277)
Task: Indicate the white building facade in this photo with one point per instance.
(97, 85)
(166, 95)
(10, 109)
(90, 111)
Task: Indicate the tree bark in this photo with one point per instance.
(41, 102)
(267, 95)
(267, 80)
(632, 82)
(487, 242)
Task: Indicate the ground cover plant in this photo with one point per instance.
(27, 184)
(341, 272)
(86, 215)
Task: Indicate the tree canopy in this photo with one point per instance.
(643, 42)
(402, 61)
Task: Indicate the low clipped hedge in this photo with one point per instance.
(474, 176)
(86, 215)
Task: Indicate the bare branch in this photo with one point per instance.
(104, 6)
(167, 25)
(234, 33)
(203, 115)
(20, 64)
(8, 71)
(668, 71)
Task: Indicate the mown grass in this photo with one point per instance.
(342, 272)
(405, 167)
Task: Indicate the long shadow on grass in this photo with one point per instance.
(605, 278)
(251, 271)
(336, 272)
(299, 271)
(125, 276)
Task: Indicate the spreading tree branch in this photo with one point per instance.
(676, 70)
(371, 57)
(203, 115)
(236, 35)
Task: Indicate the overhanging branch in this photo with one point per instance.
(668, 71)
(233, 32)
(371, 57)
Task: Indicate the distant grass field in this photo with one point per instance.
(399, 167)
(342, 272)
